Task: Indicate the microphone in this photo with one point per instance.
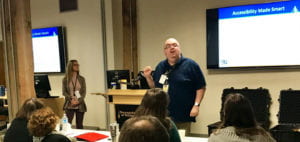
(139, 77)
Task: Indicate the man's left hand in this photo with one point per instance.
(195, 111)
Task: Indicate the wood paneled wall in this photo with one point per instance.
(130, 50)
(18, 48)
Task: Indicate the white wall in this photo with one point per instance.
(186, 21)
(84, 43)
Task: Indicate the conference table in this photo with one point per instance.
(75, 132)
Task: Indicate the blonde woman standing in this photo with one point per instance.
(74, 90)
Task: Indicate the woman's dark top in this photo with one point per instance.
(56, 138)
(18, 131)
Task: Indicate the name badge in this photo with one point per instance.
(166, 87)
(77, 94)
(163, 78)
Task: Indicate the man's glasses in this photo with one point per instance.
(171, 45)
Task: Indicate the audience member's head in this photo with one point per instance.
(28, 107)
(155, 103)
(143, 129)
(42, 122)
(238, 112)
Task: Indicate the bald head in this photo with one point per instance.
(143, 129)
(171, 41)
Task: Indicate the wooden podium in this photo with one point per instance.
(125, 102)
(56, 104)
(126, 97)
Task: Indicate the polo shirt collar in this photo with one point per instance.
(177, 63)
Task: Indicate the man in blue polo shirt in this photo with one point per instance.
(182, 78)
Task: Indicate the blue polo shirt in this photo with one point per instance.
(184, 79)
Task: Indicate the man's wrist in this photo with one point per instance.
(197, 104)
(148, 76)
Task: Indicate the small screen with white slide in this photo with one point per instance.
(259, 35)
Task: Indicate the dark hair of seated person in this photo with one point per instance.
(42, 123)
(238, 112)
(18, 132)
(28, 107)
(155, 102)
(143, 129)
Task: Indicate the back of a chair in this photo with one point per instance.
(289, 107)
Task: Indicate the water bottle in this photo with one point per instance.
(123, 84)
(64, 122)
(114, 131)
(113, 85)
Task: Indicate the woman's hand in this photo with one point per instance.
(74, 101)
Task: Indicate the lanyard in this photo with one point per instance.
(74, 85)
(172, 68)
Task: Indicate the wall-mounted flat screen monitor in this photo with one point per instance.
(49, 48)
(254, 36)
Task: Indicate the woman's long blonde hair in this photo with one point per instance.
(69, 70)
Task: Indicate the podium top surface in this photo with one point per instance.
(127, 92)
